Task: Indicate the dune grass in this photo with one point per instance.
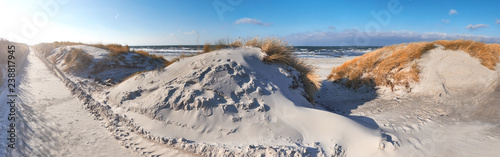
(396, 65)
(277, 51)
(21, 51)
(207, 48)
(115, 50)
(77, 60)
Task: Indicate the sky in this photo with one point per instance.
(301, 23)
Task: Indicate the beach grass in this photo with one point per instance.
(396, 65)
(114, 49)
(207, 48)
(277, 51)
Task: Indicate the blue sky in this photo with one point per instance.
(327, 23)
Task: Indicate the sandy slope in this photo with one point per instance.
(52, 122)
(225, 102)
(453, 112)
(232, 100)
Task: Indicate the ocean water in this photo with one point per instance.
(299, 51)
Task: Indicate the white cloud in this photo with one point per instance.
(116, 16)
(445, 20)
(251, 21)
(474, 27)
(453, 12)
(172, 35)
(498, 21)
(190, 33)
(356, 38)
(331, 28)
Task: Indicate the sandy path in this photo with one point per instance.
(52, 122)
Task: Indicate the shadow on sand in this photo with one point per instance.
(341, 100)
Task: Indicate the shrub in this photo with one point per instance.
(396, 65)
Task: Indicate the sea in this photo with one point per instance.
(299, 51)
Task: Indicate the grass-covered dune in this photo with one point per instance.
(21, 51)
(70, 57)
(99, 61)
(277, 51)
(397, 65)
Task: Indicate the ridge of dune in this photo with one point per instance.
(429, 68)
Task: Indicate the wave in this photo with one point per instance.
(300, 51)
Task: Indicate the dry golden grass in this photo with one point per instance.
(77, 60)
(115, 49)
(207, 48)
(486, 53)
(279, 51)
(141, 52)
(20, 54)
(179, 58)
(237, 43)
(396, 65)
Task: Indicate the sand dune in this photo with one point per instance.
(232, 100)
(452, 110)
(230, 103)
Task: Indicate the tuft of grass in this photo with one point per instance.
(115, 49)
(254, 42)
(132, 75)
(237, 43)
(207, 48)
(279, 51)
(77, 60)
(396, 65)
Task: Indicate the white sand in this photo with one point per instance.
(231, 99)
(52, 122)
(463, 121)
(226, 103)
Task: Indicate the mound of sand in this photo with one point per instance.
(230, 99)
(442, 68)
(453, 73)
(95, 63)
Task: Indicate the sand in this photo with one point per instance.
(230, 100)
(453, 111)
(51, 121)
(231, 103)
